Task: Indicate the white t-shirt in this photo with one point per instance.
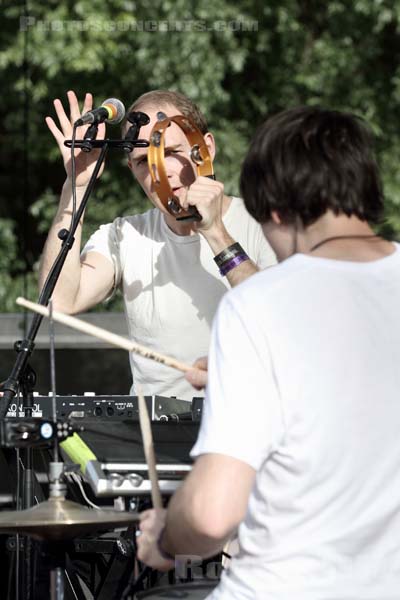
(171, 288)
(304, 386)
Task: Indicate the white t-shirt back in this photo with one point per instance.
(304, 386)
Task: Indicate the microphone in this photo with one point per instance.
(111, 111)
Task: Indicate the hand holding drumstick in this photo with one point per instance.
(197, 375)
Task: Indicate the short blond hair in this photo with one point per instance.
(161, 98)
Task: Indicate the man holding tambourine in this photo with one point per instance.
(174, 262)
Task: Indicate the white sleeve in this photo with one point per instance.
(106, 241)
(242, 415)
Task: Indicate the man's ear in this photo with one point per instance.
(210, 143)
(276, 218)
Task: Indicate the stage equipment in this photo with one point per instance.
(196, 590)
(59, 520)
(106, 407)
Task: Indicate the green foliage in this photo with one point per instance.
(11, 264)
(240, 61)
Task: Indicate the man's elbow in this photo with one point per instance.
(213, 521)
(214, 529)
(64, 307)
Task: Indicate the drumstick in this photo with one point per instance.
(103, 334)
(148, 447)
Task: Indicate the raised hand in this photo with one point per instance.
(84, 161)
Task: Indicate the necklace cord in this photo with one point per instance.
(342, 237)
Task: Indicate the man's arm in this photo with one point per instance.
(202, 514)
(219, 240)
(208, 197)
(80, 285)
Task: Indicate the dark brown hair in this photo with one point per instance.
(307, 160)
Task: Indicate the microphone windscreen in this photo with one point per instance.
(116, 108)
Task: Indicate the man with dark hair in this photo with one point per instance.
(167, 269)
(318, 161)
(299, 438)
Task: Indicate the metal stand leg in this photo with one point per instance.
(57, 588)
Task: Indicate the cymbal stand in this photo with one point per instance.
(57, 489)
(57, 486)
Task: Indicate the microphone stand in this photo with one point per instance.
(22, 375)
(25, 347)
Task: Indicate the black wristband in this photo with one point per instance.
(228, 253)
(164, 554)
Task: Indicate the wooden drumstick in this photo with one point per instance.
(103, 334)
(148, 447)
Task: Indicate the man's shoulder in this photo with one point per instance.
(125, 232)
(237, 205)
(146, 225)
(248, 232)
(138, 221)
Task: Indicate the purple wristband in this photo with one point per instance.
(232, 263)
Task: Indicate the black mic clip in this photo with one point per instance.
(138, 119)
(90, 135)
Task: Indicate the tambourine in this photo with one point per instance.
(199, 154)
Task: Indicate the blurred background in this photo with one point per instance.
(240, 61)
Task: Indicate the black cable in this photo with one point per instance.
(73, 175)
(17, 538)
(133, 584)
(25, 137)
(11, 568)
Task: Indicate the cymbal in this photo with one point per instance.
(57, 519)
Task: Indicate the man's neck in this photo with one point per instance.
(342, 238)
